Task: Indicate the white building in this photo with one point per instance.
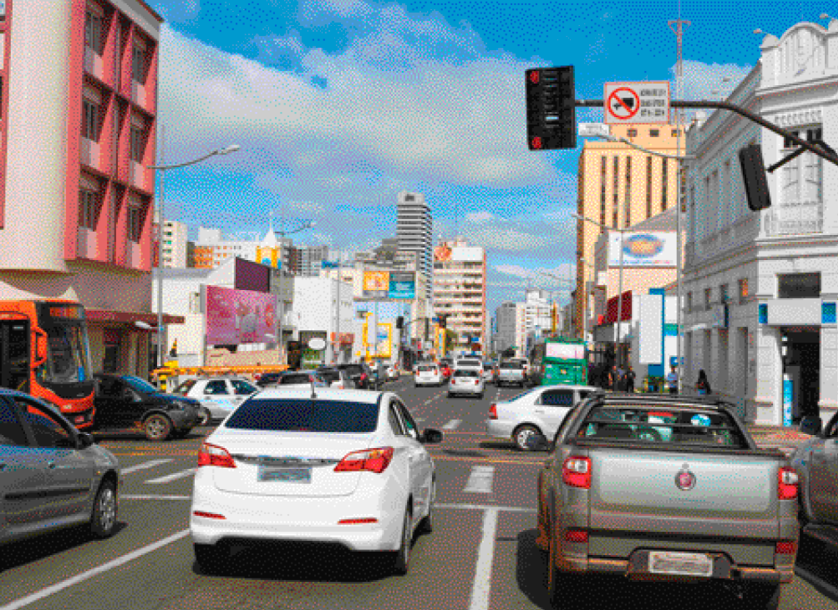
(212, 249)
(521, 325)
(324, 308)
(414, 230)
(460, 290)
(174, 245)
(761, 287)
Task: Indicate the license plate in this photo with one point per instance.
(684, 564)
(283, 474)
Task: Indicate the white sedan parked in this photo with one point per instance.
(537, 411)
(427, 374)
(218, 395)
(467, 381)
(346, 467)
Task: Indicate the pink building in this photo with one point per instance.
(79, 105)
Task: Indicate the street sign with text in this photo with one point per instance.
(645, 102)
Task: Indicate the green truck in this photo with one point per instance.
(558, 361)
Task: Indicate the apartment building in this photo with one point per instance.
(212, 249)
(459, 290)
(175, 246)
(414, 228)
(620, 186)
(520, 325)
(79, 110)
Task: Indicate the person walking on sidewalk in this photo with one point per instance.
(703, 385)
(672, 380)
(629, 376)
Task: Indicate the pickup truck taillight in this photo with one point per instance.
(785, 547)
(788, 483)
(493, 411)
(576, 471)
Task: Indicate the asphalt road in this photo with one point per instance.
(481, 555)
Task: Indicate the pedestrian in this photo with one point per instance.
(629, 382)
(620, 380)
(672, 380)
(703, 385)
(612, 377)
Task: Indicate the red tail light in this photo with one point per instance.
(788, 484)
(576, 536)
(372, 460)
(785, 547)
(213, 455)
(493, 411)
(363, 376)
(576, 472)
(200, 513)
(357, 521)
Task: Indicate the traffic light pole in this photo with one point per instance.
(831, 157)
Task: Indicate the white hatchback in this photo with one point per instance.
(467, 381)
(347, 467)
(537, 411)
(427, 374)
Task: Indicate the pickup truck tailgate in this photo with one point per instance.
(639, 490)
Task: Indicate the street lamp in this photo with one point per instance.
(585, 299)
(161, 336)
(620, 297)
(306, 224)
(560, 279)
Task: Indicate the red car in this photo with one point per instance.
(446, 371)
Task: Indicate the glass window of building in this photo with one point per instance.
(743, 289)
(799, 285)
(90, 120)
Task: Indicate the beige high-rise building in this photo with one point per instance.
(620, 186)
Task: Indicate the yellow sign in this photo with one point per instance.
(376, 284)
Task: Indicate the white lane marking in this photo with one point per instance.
(419, 420)
(144, 465)
(452, 424)
(485, 554)
(153, 497)
(60, 586)
(480, 480)
(505, 509)
(174, 477)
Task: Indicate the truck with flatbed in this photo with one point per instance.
(665, 488)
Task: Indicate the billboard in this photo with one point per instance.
(386, 285)
(252, 276)
(652, 249)
(239, 316)
(376, 284)
(402, 285)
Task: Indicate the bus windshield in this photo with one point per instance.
(68, 354)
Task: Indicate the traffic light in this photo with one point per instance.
(443, 321)
(400, 322)
(753, 174)
(551, 108)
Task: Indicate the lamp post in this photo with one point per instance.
(161, 330)
(559, 279)
(620, 297)
(585, 299)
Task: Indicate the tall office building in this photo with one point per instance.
(414, 230)
(620, 186)
(460, 291)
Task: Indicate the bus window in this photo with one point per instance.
(67, 360)
(14, 355)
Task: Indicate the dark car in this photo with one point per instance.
(268, 379)
(126, 402)
(361, 375)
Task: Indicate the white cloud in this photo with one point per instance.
(531, 273)
(314, 9)
(709, 81)
(480, 217)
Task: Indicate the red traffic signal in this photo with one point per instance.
(551, 108)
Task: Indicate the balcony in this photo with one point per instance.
(93, 63)
(138, 176)
(133, 254)
(89, 153)
(138, 93)
(86, 243)
(797, 218)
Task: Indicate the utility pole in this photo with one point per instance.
(677, 26)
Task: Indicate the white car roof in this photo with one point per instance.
(561, 386)
(304, 391)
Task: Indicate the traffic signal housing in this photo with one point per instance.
(551, 108)
(753, 174)
(400, 322)
(442, 321)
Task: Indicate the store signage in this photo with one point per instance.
(653, 249)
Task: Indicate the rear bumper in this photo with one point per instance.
(498, 428)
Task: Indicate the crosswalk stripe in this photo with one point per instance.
(480, 480)
(452, 424)
(144, 466)
(173, 477)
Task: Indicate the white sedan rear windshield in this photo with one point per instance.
(466, 373)
(304, 415)
(517, 366)
(469, 363)
(427, 369)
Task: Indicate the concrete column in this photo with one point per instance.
(828, 402)
(769, 375)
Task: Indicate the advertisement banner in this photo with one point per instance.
(384, 340)
(653, 249)
(402, 285)
(239, 316)
(376, 284)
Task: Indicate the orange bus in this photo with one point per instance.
(45, 352)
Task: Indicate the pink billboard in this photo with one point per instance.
(239, 316)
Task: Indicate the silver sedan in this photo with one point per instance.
(467, 381)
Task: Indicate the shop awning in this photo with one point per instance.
(129, 317)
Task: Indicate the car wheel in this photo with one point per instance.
(103, 517)
(211, 557)
(480, 396)
(762, 596)
(204, 416)
(157, 427)
(450, 395)
(522, 434)
(401, 562)
(426, 526)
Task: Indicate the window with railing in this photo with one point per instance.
(93, 32)
(90, 120)
(88, 204)
(138, 61)
(137, 144)
(615, 209)
(649, 186)
(135, 222)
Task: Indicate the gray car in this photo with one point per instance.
(51, 475)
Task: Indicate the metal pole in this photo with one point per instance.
(161, 331)
(620, 302)
(336, 345)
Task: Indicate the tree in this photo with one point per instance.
(450, 340)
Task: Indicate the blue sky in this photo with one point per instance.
(340, 104)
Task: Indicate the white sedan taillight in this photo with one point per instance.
(372, 460)
(213, 455)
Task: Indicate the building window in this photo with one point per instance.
(138, 64)
(602, 183)
(799, 285)
(674, 133)
(135, 222)
(708, 296)
(743, 289)
(664, 182)
(88, 201)
(93, 32)
(649, 186)
(137, 144)
(627, 221)
(90, 120)
(689, 301)
(615, 210)
(632, 133)
(723, 293)
(654, 133)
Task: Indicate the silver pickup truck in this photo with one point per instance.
(664, 488)
(816, 462)
(510, 373)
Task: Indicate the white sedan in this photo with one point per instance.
(218, 395)
(537, 411)
(467, 381)
(427, 374)
(346, 467)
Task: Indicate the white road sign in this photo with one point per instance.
(641, 102)
(593, 130)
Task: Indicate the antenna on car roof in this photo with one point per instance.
(311, 381)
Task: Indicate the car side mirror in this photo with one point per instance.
(431, 436)
(538, 442)
(84, 440)
(811, 424)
